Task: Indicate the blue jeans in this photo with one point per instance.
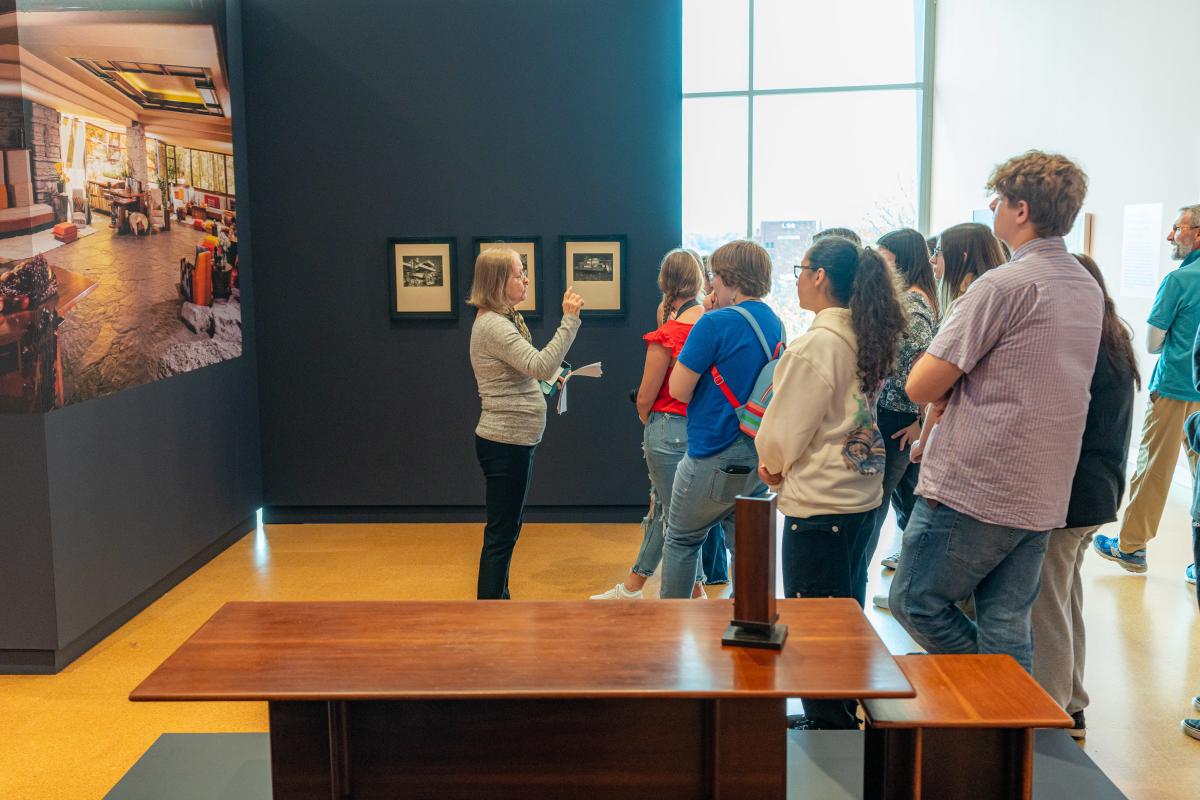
(664, 443)
(946, 557)
(714, 558)
(703, 495)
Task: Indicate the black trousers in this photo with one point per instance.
(823, 557)
(894, 473)
(507, 470)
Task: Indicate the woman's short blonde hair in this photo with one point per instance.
(489, 287)
(743, 265)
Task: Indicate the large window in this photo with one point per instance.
(800, 115)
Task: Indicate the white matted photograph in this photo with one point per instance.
(422, 278)
(595, 266)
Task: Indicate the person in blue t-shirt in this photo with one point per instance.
(721, 461)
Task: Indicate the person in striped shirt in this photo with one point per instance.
(1009, 370)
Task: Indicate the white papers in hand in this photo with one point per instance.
(589, 371)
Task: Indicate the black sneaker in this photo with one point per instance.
(1080, 729)
(1191, 727)
(799, 722)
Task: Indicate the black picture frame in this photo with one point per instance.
(407, 302)
(539, 268)
(599, 302)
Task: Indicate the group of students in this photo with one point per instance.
(989, 418)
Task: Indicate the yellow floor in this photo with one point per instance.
(73, 735)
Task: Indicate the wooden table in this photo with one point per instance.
(508, 699)
(969, 732)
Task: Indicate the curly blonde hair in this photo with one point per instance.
(1051, 184)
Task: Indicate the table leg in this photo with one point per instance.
(936, 763)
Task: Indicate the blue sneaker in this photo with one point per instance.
(1107, 547)
(1189, 574)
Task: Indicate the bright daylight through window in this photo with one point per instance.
(800, 115)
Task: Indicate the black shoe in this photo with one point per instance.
(1080, 729)
(799, 722)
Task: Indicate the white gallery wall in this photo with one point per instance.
(1114, 85)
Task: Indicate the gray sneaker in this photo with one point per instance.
(891, 561)
(1196, 702)
(881, 601)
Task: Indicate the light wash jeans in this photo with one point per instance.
(664, 444)
(703, 495)
(947, 556)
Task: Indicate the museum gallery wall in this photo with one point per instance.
(118, 219)
(133, 482)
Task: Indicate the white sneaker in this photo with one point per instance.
(618, 592)
(880, 601)
(891, 561)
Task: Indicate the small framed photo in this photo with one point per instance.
(423, 278)
(595, 266)
(529, 248)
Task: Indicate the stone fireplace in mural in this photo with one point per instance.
(118, 219)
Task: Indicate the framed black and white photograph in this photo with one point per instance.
(529, 248)
(423, 278)
(595, 266)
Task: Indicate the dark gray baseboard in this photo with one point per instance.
(50, 662)
(298, 515)
(822, 765)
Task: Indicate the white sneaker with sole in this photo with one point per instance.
(618, 592)
(891, 561)
(881, 601)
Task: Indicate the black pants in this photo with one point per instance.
(895, 472)
(508, 470)
(823, 557)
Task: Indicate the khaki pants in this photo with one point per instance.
(1059, 639)
(1162, 432)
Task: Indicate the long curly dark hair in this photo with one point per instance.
(859, 280)
(1116, 337)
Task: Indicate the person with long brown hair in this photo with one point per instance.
(1059, 638)
(819, 444)
(664, 419)
(964, 252)
(507, 370)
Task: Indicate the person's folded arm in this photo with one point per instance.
(683, 382)
(930, 379)
(1155, 339)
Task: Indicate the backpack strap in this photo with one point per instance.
(725, 390)
(762, 340)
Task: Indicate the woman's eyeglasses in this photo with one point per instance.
(798, 268)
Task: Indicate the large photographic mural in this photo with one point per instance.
(118, 223)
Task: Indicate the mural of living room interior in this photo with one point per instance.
(118, 222)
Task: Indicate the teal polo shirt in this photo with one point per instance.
(1176, 310)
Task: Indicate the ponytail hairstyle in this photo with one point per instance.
(969, 249)
(859, 280)
(912, 262)
(1116, 337)
(681, 274)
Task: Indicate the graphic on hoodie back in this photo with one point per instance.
(863, 450)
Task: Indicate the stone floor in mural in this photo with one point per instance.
(128, 331)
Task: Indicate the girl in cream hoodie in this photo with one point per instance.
(819, 446)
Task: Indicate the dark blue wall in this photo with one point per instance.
(448, 117)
